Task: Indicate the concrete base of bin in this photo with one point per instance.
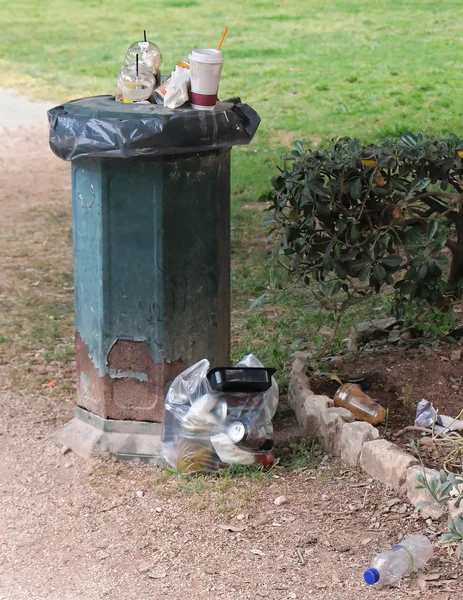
(89, 435)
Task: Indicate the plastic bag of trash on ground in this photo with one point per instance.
(219, 417)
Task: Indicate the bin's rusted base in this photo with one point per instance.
(134, 387)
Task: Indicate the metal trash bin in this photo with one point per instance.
(151, 230)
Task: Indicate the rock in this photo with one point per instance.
(331, 425)
(67, 465)
(302, 354)
(140, 493)
(240, 517)
(298, 391)
(280, 501)
(370, 330)
(455, 355)
(309, 417)
(234, 528)
(65, 450)
(326, 331)
(159, 574)
(298, 366)
(321, 401)
(352, 344)
(386, 462)
(260, 522)
(353, 436)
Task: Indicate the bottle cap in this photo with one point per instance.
(371, 576)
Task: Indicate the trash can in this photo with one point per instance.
(151, 231)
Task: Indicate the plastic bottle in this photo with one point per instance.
(410, 555)
(363, 408)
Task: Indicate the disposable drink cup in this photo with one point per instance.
(206, 68)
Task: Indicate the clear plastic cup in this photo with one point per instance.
(135, 86)
(206, 68)
(148, 54)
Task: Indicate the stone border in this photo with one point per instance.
(358, 443)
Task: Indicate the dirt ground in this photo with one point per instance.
(399, 378)
(72, 529)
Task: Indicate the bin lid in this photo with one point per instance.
(100, 127)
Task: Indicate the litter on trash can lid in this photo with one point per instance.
(99, 127)
(240, 379)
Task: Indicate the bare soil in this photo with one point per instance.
(399, 378)
(72, 529)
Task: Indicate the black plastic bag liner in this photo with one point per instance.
(100, 127)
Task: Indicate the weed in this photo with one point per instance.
(306, 454)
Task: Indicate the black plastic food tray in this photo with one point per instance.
(240, 379)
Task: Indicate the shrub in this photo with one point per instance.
(357, 218)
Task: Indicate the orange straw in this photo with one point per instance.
(223, 37)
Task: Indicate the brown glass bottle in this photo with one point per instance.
(363, 407)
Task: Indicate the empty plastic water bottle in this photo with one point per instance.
(410, 555)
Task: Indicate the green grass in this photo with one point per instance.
(313, 70)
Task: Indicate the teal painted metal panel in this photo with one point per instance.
(151, 251)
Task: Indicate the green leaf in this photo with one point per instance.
(422, 272)
(419, 184)
(409, 139)
(392, 261)
(406, 289)
(422, 505)
(299, 147)
(365, 273)
(379, 272)
(442, 476)
(421, 479)
(354, 234)
(449, 537)
(356, 189)
(456, 526)
(432, 228)
(257, 302)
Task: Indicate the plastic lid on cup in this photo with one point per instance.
(148, 54)
(136, 86)
(207, 55)
(371, 576)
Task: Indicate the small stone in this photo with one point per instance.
(260, 522)
(140, 493)
(365, 541)
(159, 509)
(65, 450)
(142, 545)
(291, 595)
(67, 465)
(455, 355)
(211, 571)
(157, 574)
(240, 517)
(280, 500)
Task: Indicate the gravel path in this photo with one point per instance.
(87, 530)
